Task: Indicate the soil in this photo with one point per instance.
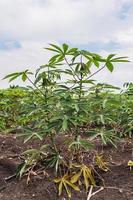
(118, 181)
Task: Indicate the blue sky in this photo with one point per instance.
(126, 8)
(9, 45)
(96, 25)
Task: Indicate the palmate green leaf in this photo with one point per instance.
(87, 54)
(81, 143)
(15, 75)
(37, 135)
(107, 136)
(24, 77)
(72, 51)
(96, 63)
(43, 67)
(90, 81)
(64, 87)
(68, 71)
(110, 56)
(109, 140)
(110, 66)
(120, 59)
(86, 144)
(39, 78)
(50, 49)
(98, 58)
(54, 58)
(30, 135)
(77, 68)
(65, 48)
(39, 69)
(55, 160)
(93, 56)
(60, 59)
(34, 155)
(31, 152)
(72, 81)
(56, 48)
(108, 86)
(76, 54)
(28, 138)
(88, 65)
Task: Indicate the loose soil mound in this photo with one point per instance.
(118, 181)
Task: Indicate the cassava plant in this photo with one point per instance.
(65, 100)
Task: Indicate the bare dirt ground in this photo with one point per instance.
(118, 180)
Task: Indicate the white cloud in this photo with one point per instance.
(34, 23)
(84, 20)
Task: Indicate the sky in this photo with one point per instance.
(101, 26)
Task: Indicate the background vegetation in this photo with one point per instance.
(64, 100)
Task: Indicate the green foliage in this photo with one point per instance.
(23, 75)
(80, 143)
(64, 99)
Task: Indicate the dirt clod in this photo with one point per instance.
(118, 180)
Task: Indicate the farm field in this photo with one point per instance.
(118, 179)
(65, 136)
